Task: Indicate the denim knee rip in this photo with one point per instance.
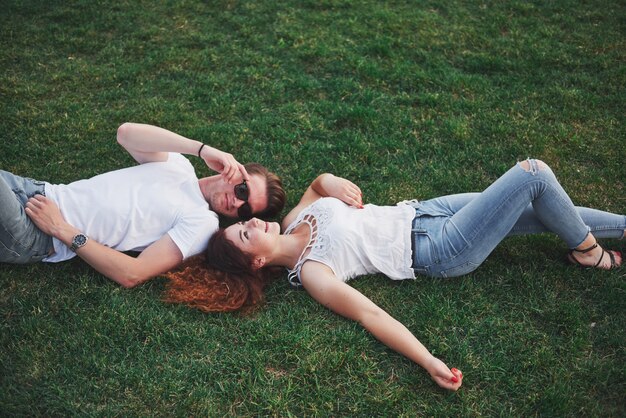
(532, 166)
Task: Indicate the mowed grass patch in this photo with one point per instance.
(408, 100)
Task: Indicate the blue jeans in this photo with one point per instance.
(21, 241)
(453, 235)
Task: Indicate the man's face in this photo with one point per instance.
(224, 201)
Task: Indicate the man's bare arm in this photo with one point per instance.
(148, 143)
(159, 257)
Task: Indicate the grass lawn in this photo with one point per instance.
(409, 99)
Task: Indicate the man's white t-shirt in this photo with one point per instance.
(131, 208)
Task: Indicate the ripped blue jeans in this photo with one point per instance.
(452, 235)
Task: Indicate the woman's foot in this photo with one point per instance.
(595, 257)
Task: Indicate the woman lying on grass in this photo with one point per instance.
(330, 237)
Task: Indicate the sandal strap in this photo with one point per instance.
(602, 258)
(611, 259)
(613, 264)
(586, 250)
(612, 256)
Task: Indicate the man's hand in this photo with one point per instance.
(224, 163)
(45, 214)
(128, 271)
(148, 143)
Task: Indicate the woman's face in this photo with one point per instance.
(255, 236)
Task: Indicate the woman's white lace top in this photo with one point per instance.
(354, 242)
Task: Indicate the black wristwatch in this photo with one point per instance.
(78, 241)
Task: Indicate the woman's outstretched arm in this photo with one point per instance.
(322, 284)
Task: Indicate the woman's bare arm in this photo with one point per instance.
(322, 284)
(326, 185)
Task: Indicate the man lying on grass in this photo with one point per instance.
(158, 207)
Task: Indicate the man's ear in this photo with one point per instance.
(258, 262)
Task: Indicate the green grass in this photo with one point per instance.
(409, 100)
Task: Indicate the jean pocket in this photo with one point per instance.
(424, 251)
(453, 241)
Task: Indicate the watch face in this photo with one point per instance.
(80, 240)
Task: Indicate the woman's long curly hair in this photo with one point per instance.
(221, 280)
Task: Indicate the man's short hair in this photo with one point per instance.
(275, 193)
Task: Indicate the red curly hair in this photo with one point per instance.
(222, 280)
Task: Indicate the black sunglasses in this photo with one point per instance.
(242, 193)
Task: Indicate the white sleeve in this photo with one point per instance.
(192, 233)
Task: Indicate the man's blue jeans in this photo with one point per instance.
(21, 241)
(453, 235)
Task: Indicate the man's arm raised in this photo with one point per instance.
(148, 143)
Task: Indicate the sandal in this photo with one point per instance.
(574, 260)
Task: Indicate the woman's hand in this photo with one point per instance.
(342, 189)
(450, 379)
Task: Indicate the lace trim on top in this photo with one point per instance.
(318, 244)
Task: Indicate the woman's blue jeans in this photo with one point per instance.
(21, 241)
(453, 235)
